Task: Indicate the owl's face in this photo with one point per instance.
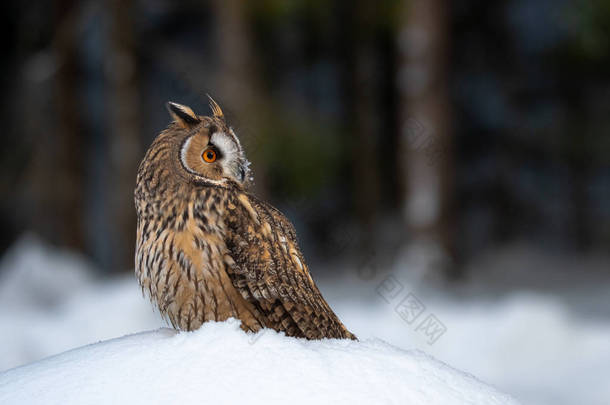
(210, 151)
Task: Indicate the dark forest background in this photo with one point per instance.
(373, 125)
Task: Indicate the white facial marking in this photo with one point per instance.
(232, 158)
(226, 145)
(185, 147)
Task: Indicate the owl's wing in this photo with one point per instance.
(267, 267)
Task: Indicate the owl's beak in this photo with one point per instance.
(241, 171)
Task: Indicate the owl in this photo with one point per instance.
(207, 249)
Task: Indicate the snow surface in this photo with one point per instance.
(542, 347)
(220, 364)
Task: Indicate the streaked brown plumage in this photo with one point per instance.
(209, 250)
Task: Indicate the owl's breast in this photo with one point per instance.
(180, 264)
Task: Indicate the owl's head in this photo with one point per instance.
(209, 150)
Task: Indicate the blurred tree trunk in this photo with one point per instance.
(425, 132)
(63, 194)
(580, 222)
(124, 131)
(239, 80)
(365, 131)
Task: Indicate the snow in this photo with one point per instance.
(529, 345)
(542, 347)
(221, 364)
(50, 302)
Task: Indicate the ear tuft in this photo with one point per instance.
(182, 114)
(216, 111)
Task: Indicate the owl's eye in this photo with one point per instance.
(209, 155)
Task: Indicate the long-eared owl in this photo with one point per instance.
(207, 250)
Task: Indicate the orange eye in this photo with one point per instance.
(209, 155)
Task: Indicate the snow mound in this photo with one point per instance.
(220, 364)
